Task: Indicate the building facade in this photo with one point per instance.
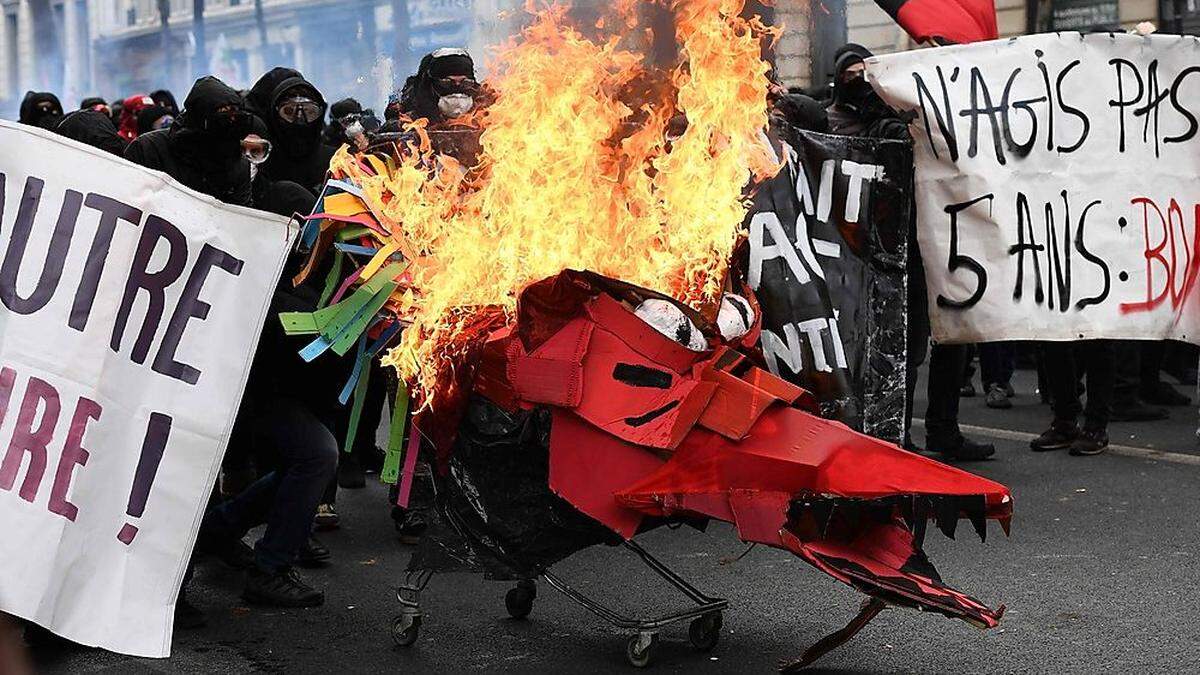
(113, 48)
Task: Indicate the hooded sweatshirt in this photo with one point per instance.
(35, 113)
(93, 128)
(200, 150)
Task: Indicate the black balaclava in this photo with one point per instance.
(296, 139)
(93, 128)
(41, 109)
(89, 102)
(857, 91)
(166, 99)
(422, 91)
(290, 139)
(214, 139)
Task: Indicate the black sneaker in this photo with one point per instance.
(1059, 436)
(1164, 394)
(327, 517)
(1136, 411)
(349, 473)
(282, 588)
(967, 390)
(996, 397)
(187, 615)
(313, 554)
(1090, 442)
(965, 450)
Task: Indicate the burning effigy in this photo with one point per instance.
(549, 278)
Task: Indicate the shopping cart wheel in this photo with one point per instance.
(405, 629)
(519, 599)
(640, 649)
(705, 631)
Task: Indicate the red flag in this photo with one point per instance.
(944, 21)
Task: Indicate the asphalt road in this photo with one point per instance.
(1099, 575)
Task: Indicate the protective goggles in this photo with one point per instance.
(256, 149)
(300, 110)
(162, 122)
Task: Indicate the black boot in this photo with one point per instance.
(313, 554)
(964, 450)
(281, 588)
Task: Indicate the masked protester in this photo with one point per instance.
(349, 123)
(202, 149)
(154, 118)
(443, 89)
(41, 109)
(856, 109)
(165, 99)
(294, 113)
(93, 128)
(130, 107)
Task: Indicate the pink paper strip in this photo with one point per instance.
(410, 467)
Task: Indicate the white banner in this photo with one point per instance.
(1056, 184)
(130, 308)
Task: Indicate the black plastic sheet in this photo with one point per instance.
(826, 259)
(495, 512)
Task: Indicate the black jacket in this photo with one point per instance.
(190, 155)
(93, 128)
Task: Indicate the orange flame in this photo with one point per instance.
(577, 171)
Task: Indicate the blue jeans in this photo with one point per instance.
(286, 498)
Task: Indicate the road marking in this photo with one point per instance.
(1115, 449)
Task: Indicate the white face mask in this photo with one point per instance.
(454, 105)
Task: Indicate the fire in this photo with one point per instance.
(582, 167)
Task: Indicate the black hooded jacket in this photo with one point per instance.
(194, 156)
(93, 128)
(32, 113)
(298, 153)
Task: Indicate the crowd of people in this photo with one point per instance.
(269, 147)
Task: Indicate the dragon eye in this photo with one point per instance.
(664, 317)
(735, 317)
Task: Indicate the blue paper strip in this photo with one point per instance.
(345, 186)
(315, 348)
(356, 249)
(359, 360)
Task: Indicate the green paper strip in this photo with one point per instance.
(390, 473)
(331, 279)
(353, 233)
(360, 395)
(365, 294)
(307, 323)
(363, 320)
